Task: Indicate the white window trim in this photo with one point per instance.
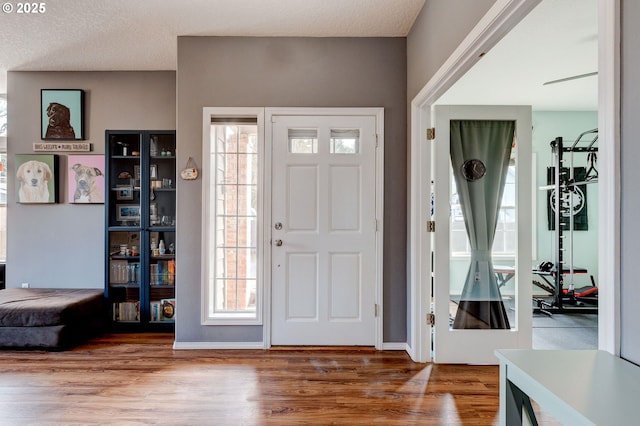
(231, 318)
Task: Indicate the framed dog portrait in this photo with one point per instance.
(62, 114)
(85, 179)
(36, 178)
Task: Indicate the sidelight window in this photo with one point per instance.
(231, 218)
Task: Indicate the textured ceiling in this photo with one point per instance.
(558, 39)
(141, 34)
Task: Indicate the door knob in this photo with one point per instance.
(278, 243)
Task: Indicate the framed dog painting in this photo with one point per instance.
(85, 179)
(62, 114)
(36, 178)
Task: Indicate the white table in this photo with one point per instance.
(585, 387)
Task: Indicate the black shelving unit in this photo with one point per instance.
(140, 227)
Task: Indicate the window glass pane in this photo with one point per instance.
(247, 200)
(3, 177)
(247, 139)
(234, 194)
(344, 141)
(3, 115)
(227, 166)
(227, 196)
(247, 169)
(504, 242)
(303, 141)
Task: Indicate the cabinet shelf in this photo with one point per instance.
(135, 188)
(124, 257)
(163, 257)
(124, 228)
(158, 228)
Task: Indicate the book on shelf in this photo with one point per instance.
(126, 311)
(155, 311)
(163, 272)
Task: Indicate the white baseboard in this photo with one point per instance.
(218, 345)
(400, 346)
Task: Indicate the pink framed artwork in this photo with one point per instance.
(85, 179)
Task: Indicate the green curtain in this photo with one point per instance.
(480, 153)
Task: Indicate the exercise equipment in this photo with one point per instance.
(565, 191)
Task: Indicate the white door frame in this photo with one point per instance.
(503, 16)
(378, 113)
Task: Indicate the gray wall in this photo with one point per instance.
(62, 245)
(629, 177)
(436, 33)
(291, 72)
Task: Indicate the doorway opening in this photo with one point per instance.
(563, 92)
(500, 20)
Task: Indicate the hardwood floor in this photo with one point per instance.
(140, 379)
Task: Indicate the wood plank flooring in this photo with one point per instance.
(140, 379)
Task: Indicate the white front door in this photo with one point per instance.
(475, 311)
(323, 230)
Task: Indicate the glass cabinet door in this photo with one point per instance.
(162, 276)
(124, 276)
(162, 180)
(124, 180)
(162, 211)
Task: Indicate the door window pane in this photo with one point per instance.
(344, 141)
(303, 141)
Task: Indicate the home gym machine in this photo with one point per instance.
(565, 197)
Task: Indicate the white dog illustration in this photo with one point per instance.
(33, 177)
(86, 189)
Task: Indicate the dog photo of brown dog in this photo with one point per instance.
(62, 114)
